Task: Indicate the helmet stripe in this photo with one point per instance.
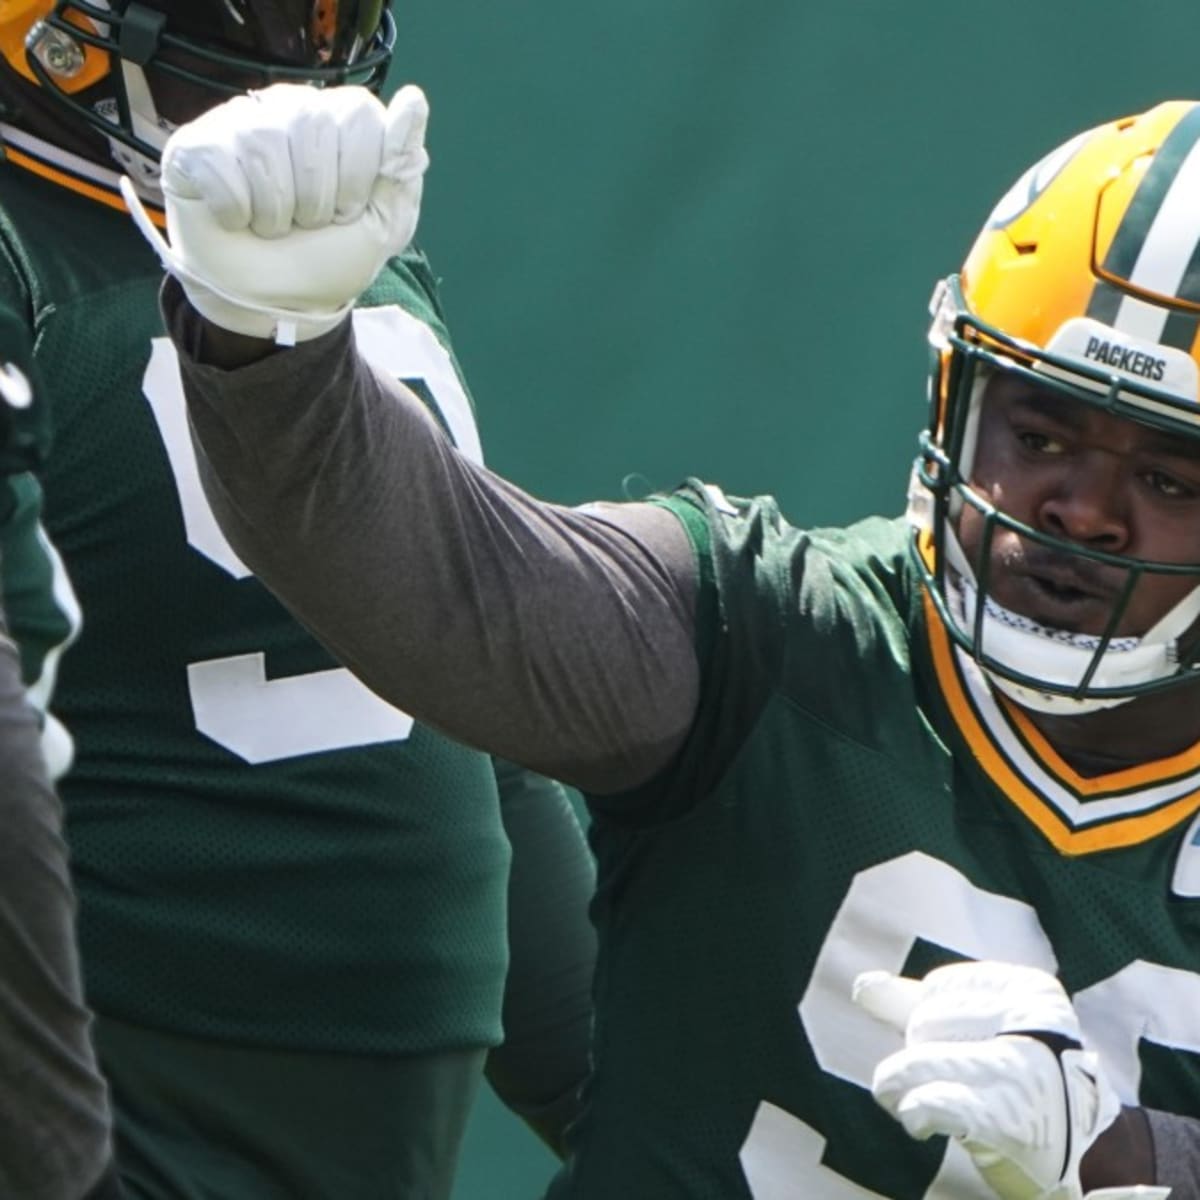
(1105, 302)
(1180, 330)
(1157, 245)
(1137, 226)
(1189, 286)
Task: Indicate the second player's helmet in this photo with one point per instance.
(130, 70)
(1085, 278)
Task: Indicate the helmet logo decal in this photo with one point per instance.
(1126, 359)
(1033, 183)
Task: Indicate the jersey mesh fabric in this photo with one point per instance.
(824, 819)
(349, 900)
(29, 581)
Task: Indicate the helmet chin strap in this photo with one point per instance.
(1062, 658)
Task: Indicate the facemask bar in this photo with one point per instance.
(971, 344)
(139, 34)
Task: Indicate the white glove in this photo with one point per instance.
(282, 205)
(976, 1068)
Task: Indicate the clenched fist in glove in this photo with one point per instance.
(993, 1057)
(282, 205)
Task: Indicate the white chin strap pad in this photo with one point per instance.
(1060, 658)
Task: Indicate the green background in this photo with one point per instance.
(698, 237)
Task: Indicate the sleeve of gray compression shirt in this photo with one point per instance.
(558, 638)
(55, 1123)
(1176, 1142)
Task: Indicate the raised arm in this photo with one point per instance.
(558, 638)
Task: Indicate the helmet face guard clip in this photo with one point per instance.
(141, 31)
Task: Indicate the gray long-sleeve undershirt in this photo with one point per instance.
(55, 1120)
(1176, 1153)
(321, 474)
(590, 676)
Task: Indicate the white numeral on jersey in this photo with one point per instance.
(233, 701)
(886, 909)
(781, 1160)
(1149, 1003)
(163, 388)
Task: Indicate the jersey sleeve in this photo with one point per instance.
(39, 606)
(740, 605)
(41, 609)
(781, 612)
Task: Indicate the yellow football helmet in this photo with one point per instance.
(1085, 278)
(128, 70)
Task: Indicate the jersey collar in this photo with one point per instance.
(1076, 814)
(69, 170)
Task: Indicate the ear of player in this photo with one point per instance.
(283, 205)
(993, 1057)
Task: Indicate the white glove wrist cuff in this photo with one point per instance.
(235, 313)
(1140, 1191)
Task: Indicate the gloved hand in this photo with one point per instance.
(282, 205)
(993, 1057)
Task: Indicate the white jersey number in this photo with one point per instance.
(887, 908)
(233, 702)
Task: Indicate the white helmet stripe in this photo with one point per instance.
(1166, 252)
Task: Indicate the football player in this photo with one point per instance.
(893, 821)
(292, 897)
(55, 1118)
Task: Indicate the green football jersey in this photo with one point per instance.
(852, 797)
(40, 604)
(24, 416)
(264, 850)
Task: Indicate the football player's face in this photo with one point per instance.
(1092, 480)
